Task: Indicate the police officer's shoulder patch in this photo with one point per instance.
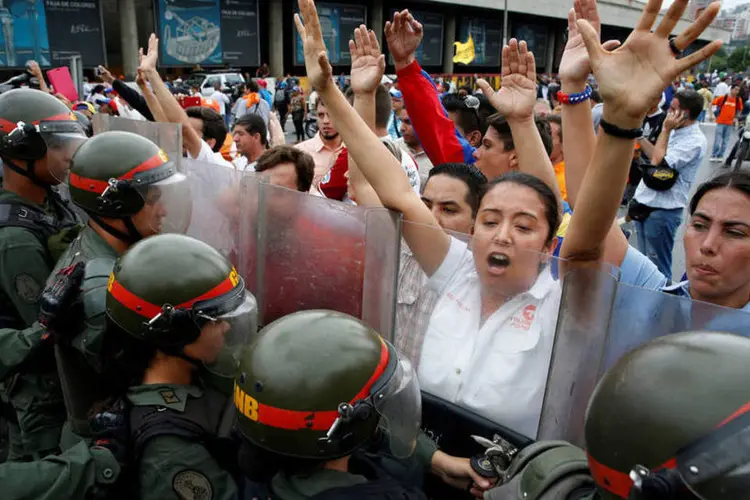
(192, 485)
(27, 288)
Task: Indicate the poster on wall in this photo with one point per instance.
(338, 23)
(536, 39)
(190, 32)
(488, 40)
(430, 51)
(50, 32)
(208, 32)
(239, 32)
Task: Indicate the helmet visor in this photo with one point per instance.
(236, 319)
(167, 206)
(400, 408)
(717, 466)
(62, 141)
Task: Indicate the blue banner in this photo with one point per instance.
(190, 32)
(488, 40)
(23, 36)
(337, 22)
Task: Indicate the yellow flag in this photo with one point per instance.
(464, 51)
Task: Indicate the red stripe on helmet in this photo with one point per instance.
(98, 186)
(281, 418)
(8, 126)
(149, 310)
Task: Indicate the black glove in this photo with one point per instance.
(59, 311)
(110, 429)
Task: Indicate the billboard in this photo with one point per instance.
(535, 36)
(488, 39)
(208, 32)
(28, 32)
(337, 22)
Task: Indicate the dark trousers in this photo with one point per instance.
(298, 118)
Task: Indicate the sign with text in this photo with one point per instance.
(337, 22)
(50, 32)
(239, 32)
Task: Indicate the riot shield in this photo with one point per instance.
(635, 316)
(214, 195)
(299, 252)
(167, 136)
(480, 333)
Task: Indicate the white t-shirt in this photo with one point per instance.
(498, 369)
(222, 99)
(241, 164)
(209, 156)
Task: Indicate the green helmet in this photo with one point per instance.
(317, 384)
(677, 405)
(34, 124)
(115, 174)
(169, 289)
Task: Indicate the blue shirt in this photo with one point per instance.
(685, 152)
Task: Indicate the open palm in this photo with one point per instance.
(317, 66)
(574, 64)
(403, 35)
(632, 77)
(517, 95)
(368, 64)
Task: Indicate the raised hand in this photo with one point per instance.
(318, 68)
(517, 95)
(574, 65)
(106, 76)
(403, 35)
(149, 60)
(34, 69)
(633, 76)
(368, 64)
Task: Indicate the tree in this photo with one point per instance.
(739, 59)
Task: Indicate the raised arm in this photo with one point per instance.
(515, 101)
(428, 243)
(436, 131)
(172, 109)
(646, 62)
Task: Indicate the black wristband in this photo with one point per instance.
(622, 133)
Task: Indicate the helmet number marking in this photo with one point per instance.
(110, 282)
(234, 277)
(245, 404)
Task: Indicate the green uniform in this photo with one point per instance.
(171, 466)
(71, 475)
(29, 247)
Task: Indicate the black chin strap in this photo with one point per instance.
(131, 237)
(29, 172)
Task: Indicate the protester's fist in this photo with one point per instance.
(368, 64)
(318, 68)
(633, 76)
(403, 35)
(517, 95)
(575, 65)
(105, 75)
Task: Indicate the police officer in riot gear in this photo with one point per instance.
(38, 136)
(123, 182)
(671, 421)
(178, 312)
(314, 391)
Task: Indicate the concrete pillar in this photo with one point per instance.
(276, 38)
(376, 20)
(128, 38)
(551, 36)
(449, 36)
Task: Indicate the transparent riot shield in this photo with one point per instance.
(167, 136)
(635, 316)
(214, 195)
(299, 252)
(480, 332)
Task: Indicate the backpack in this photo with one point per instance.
(717, 111)
(279, 97)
